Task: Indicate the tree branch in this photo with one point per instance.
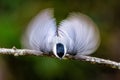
(22, 52)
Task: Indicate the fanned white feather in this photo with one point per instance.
(41, 31)
(80, 33)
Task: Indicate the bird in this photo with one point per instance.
(76, 35)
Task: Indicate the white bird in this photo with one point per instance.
(76, 35)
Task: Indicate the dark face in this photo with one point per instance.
(60, 49)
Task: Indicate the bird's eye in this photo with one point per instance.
(60, 49)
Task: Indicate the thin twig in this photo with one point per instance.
(19, 52)
(22, 52)
(95, 60)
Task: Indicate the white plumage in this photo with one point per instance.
(77, 35)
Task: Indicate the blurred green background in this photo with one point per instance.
(16, 14)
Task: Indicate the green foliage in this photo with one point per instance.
(16, 14)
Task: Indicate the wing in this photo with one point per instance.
(81, 34)
(40, 32)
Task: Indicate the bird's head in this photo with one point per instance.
(59, 50)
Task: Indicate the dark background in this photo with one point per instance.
(16, 14)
